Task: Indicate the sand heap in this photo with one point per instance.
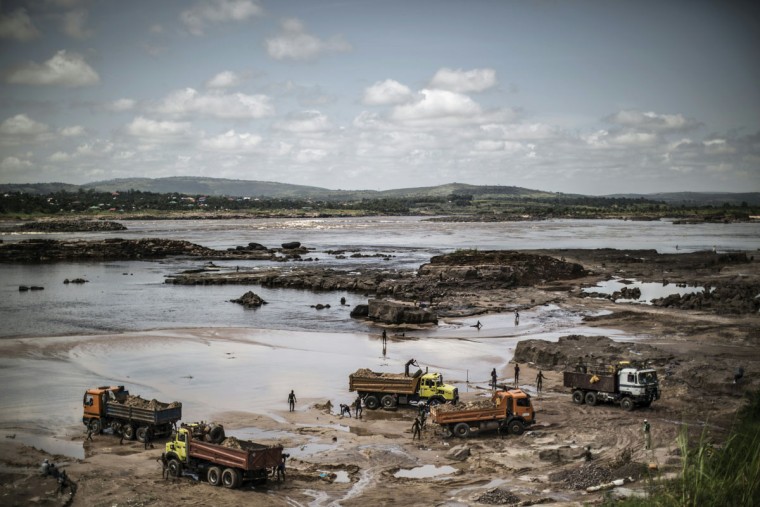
(365, 372)
(472, 405)
(138, 402)
(240, 445)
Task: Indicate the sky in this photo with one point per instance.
(594, 97)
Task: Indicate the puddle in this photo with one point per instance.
(425, 472)
(649, 290)
(52, 445)
(256, 434)
(341, 476)
(338, 427)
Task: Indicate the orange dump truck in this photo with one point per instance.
(113, 407)
(228, 463)
(512, 412)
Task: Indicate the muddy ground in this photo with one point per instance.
(546, 465)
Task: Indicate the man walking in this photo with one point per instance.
(292, 401)
(539, 381)
(647, 436)
(416, 426)
(517, 374)
(493, 378)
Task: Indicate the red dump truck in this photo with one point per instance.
(512, 412)
(113, 407)
(228, 463)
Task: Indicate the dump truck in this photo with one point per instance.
(228, 463)
(392, 389)
(509, 411)
(113, 407)
(623, 384)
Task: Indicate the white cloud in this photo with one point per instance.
(652, 121)
(218, 11)
(121, 105)
(65, 69)
(14, 164)
(438, 106)
(305, 122)
(74, 24)
(226, 79)
(59, 156)
(461, 81)
(295, 43)
(22, 125)
(309, 155)
(158, 130)
(17, 25)
(216, 104)
(231, 141)
(387, 92)
(73, 131)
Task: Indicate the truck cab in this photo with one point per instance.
(178, 444)
(432, 387)
(94, 400)
(518, 404)
(640, 384)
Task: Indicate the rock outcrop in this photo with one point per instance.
(249, 300)
(391, 312)
(69, 226)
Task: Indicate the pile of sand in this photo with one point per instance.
(241, 445)
(471, 405)
(365, 372)
(138, 402)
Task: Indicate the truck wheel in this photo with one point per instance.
(231, 478)
(462, 430)
(129, 432)
(388, 401)
(591, 398)
(216, 435)
(627, 404)
(371, 402)
(214, 476)
(141, 432)
(578, 397)
(516, 427)
(96, 426)
(175, 468)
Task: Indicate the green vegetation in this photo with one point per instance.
(727, 474)
(460, 202)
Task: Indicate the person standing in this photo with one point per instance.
(647, 436)
(517, 318)
(164, 466)
(358, 407)
(281, 469)
(416, 426)
(539, 381)
(493, 378)
(292, 401)
(517, 374)
(148, 438)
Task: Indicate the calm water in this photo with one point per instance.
(124, 296)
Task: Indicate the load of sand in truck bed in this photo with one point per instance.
(138, 402)
(470, 405)
(367, 373)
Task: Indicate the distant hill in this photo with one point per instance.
(192, 185)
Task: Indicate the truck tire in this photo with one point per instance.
(231, 478)
(462, 430)
(96, 426)
(141, 432)
(388, 401)
(578, 397)
(216, 434)
(371, 402)
(129, 432)
(516, 427)
(591, 398)
(175, 468)
(627, 404)
(214, 476)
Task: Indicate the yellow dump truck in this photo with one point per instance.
(228, 463)
(392, 389)
(512, 412)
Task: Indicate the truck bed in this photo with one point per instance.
(383, 384)
(146, 415)
(605, 383)
(470, 415)
(251, 457)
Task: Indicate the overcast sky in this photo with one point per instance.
(592, 97)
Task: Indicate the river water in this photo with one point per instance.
(190, 344)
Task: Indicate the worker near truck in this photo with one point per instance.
(539, 381)
(281, 469)
(358, 407)
(292, 401)
(493, 378)
(416, 427)
(517, 373)
(164, 466)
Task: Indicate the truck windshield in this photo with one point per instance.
(648, 377)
